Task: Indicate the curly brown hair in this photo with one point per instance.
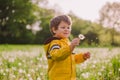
(57, 20)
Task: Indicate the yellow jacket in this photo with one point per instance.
(61, 61)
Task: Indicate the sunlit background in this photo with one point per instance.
(98, 20)
(85, 9)
(24, 26)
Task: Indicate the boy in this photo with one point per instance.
(61, 60)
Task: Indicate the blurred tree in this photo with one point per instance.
(85, 27)
(45, 33)
(79, 25)
(14, 16)
(110, 17)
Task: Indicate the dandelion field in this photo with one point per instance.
(28, 62)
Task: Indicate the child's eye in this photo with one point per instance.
(68, 27)
(63, 27)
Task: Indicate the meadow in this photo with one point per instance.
(28, 62)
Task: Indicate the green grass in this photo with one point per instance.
(28, 62)
(11, 47)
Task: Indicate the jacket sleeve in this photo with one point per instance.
(59, 51)
(79, 58)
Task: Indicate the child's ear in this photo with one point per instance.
(54, 30)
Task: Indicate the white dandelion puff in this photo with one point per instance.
(81, 36)
(99, 73)
(1, 70)
(14, 68)
(39, 65)
(93, 66)
(119, 69)
(85, 75)
(20, 71)
(19, 64)
(41, 73)
(7, 70)
(38, 78)
(28, 75)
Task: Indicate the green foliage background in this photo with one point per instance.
(15, 15)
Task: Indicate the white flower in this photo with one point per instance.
(7, 70)
(21, 71)
(30, 78)
(110, 72)
(11, 59)
(4, 74)
(12, 76)
(119, 69)
(38, 78)
(39, 65)
(32, 70)
(45, 66)
(36, 69)
(94, 61)
(1, 63)
(41, 73)
(99, 73)
(28, 75)
(21, 79)
(81, 36)
(14, 68)
(1, 70)
(93, 66)
(19, 64)
(86, 75)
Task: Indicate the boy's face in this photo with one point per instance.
(63, 30)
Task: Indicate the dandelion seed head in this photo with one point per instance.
(32, 70)
(1, 70)
(21, 79)
(12, 76)
(11, 59)
(94, 61)
(19, 64)
(93, 66)
(36, 69)
(7, 70)
(28, 75)
(31, 61)
(41, 73)
(20, 71)
(39, 65)
(14, 68)
(81, 36)
(99, 73)
(85, 75)
(119, 69)
(38, 78)
(40, 59)
(1, 63)
(45, 66)
(30, 78)
(4, 74)
(13, 11)
(110, 72)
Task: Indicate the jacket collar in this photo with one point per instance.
(51, 39)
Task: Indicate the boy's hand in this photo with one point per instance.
(86, 55)
(74, 43)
